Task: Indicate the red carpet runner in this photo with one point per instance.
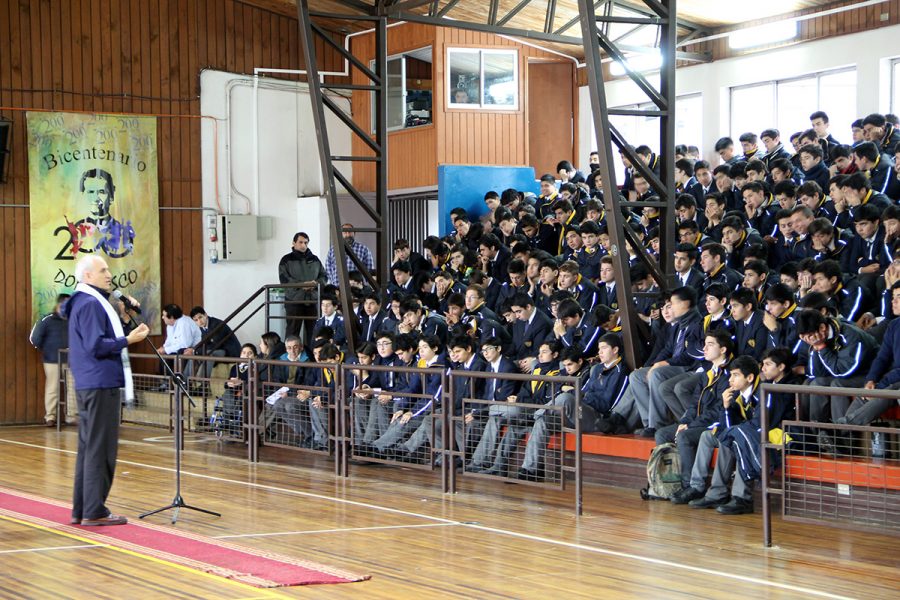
(247, 565)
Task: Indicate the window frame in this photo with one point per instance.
(480, 104)
(652, 106)
(775, 83)
(401, 56)
(895, 85)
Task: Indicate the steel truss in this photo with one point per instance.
(379, 213)
(595, 18)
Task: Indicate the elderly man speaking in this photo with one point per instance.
(98, 358)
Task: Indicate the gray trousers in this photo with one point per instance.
(396, 431)
(98, 445)
(863, 412)
(361, 408)
(291, 410)
(318, 419)
(708, 443)
(378, 419)
(629, 410)
(677, 392)
(541, 430)
(647, 388)
(421, 435)
(500, 414)
(718, 488)
(829, 408)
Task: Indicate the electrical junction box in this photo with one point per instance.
(237, 238)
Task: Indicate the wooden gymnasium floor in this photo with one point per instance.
(503, 541)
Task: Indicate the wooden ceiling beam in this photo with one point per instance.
(513, 12)
(571, 23)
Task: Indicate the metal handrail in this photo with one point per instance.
(264, 289)
(797, 390)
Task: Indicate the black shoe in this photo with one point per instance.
(705, 502)
(404, 455)
(495, 471)
(363, 449)
(685, 495)
(612, 424)
(826, 444)
(527, 475)
(647, 432)
(737, 506)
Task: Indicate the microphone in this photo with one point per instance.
(128, 303)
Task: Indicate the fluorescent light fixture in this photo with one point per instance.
(639, 62)
(761, 35)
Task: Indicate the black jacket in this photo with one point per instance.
(298, 267)
(50, 335)
(223, 339)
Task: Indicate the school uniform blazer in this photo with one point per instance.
(528, 337)
(751, 337)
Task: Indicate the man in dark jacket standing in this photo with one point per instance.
(50, 335)
(300, 265)
(98, 359)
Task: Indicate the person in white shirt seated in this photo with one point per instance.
(182, 334)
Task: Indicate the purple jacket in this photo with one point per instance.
(94, 350)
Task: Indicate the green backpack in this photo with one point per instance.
(663, 473)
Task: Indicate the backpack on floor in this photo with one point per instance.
(663, 473)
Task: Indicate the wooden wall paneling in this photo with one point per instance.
(64, 57)
(7, 299)
(229, 42)
(140, 55)
(43, 68)
(257, 44)
(247, 58)
(114, 51)
(153, 52)
(103, 47)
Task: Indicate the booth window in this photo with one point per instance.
(483, 79)
(409, 90)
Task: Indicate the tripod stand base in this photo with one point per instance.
(177, 504)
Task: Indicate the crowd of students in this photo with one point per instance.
(787, 268)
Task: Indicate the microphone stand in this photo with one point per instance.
(180, 391)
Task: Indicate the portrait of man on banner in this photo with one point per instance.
(93, 190)
(100, 232)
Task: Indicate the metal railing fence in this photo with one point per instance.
(829, 475)
(336, 427)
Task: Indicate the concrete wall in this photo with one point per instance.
(290, 182)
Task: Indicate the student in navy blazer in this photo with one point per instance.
(331, 319)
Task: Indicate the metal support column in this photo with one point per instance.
(595, 41)
(377, 145)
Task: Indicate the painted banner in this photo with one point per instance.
(93, 189)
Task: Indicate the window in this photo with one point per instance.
(787, 104)
(409, 85)
(895, 86)
(645, 130)
(483, 79)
